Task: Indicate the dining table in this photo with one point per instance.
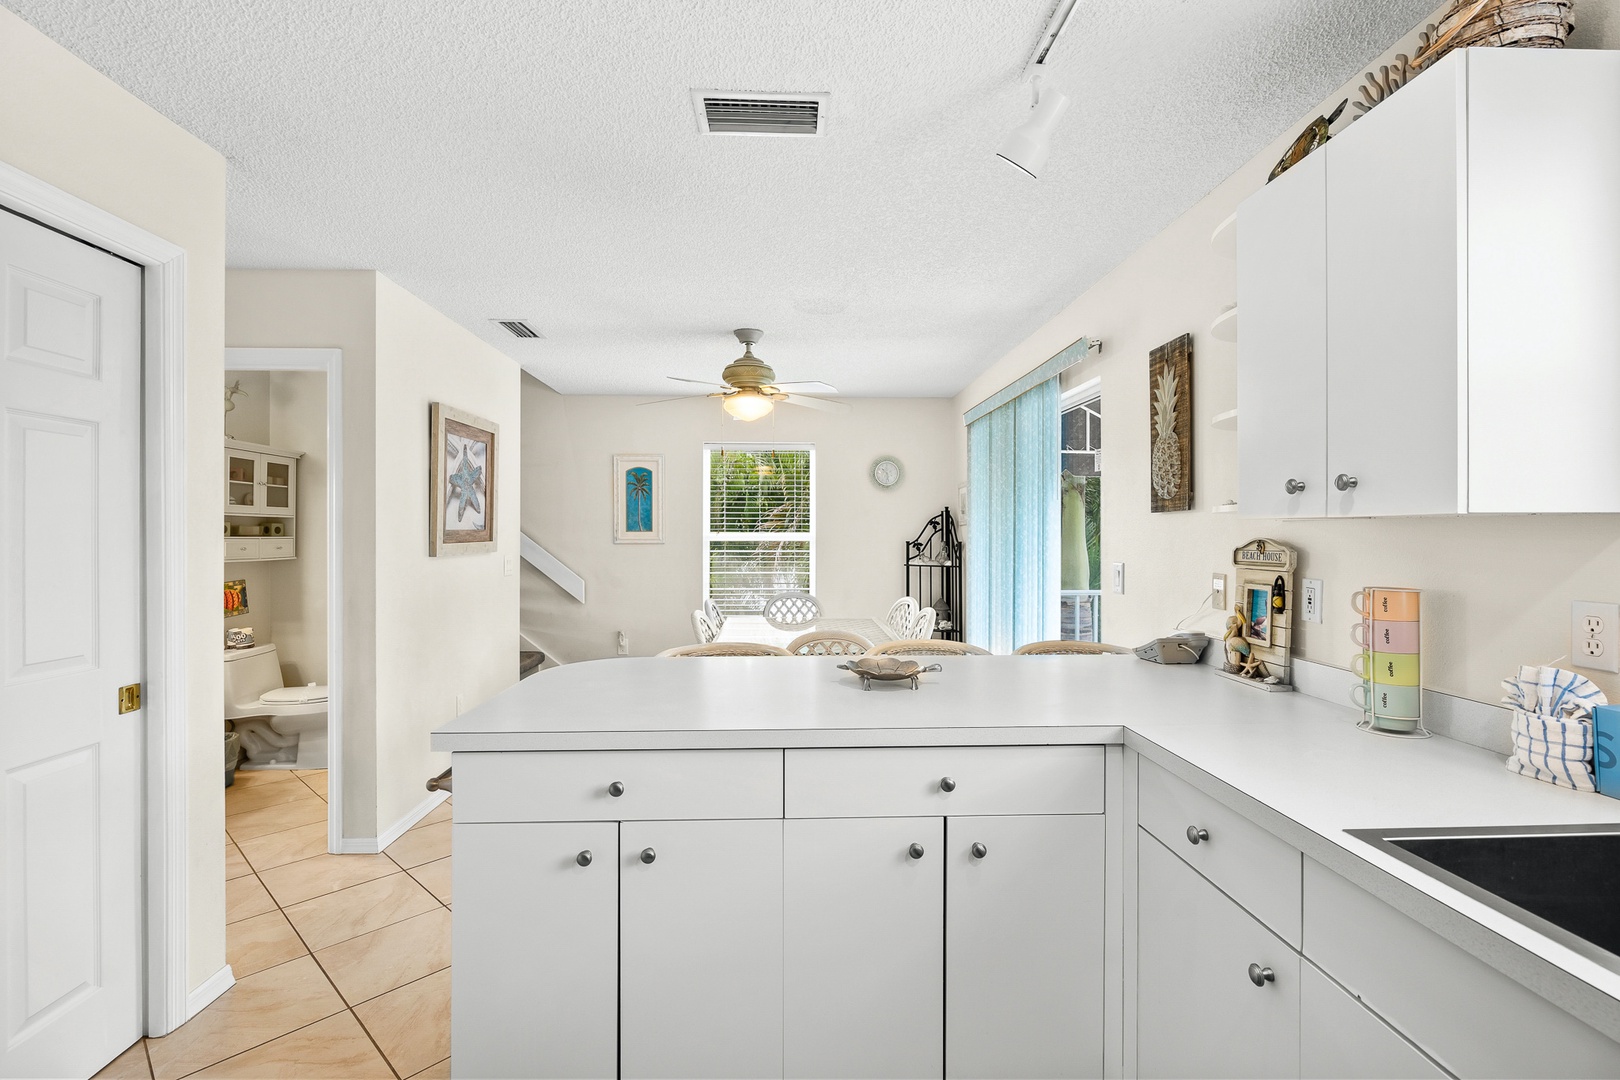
(754, 628)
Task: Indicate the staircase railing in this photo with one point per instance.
(551, 566)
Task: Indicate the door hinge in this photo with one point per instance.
(129, 698)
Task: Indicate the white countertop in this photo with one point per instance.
(1296, 765)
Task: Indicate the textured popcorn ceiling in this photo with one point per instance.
(540, 159)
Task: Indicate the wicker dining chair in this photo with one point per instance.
(713, 612)
(927, 648)
(791, 610)
(902, 613)
(829, 643)
(703, 628)
(922, 627)
(726, 648)
(1068, 648)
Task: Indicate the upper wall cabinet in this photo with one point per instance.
(1428, 301)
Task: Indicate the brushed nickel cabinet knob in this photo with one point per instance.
(648, 855)
(583, 858)
(1195, 835)
(1344, 481)
(1261, 975)
(1294, 487)
(915, 851)
(947, 784)
(615, 789)
(979, 851)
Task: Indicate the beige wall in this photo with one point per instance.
(418, 632)
(68, 125)
(1497, 589)
(447, 627)
(650, 590)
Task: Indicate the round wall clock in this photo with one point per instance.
(886, 472)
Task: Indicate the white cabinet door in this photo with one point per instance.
(1024, 946)
(1282, 353)
(865, 942)
(278, 488)
(1392, 305)
(1339, 1036)
(536, 977)
(700, 961)
(1198, 1011)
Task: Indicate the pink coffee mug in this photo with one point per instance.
(1386, 637)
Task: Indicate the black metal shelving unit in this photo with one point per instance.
(934, 573)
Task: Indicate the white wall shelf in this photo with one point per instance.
(1226, 421)
(1223, 241)
(1225, 325)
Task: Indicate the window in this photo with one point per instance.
(1081, 580)
(759, 524)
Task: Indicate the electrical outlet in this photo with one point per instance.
(1311, 600)
(1217, 591)
(624, 644)
(1594, 635)
(510, 566)
(1119, 577)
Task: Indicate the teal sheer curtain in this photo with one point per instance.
(1014, 508)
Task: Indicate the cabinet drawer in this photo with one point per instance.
(1473, 1019)
(653, 785)
(239, 548)
(1250, 865)
(277, 547)
(913, 782)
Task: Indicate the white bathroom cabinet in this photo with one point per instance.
(261, 502)
(1428, 316)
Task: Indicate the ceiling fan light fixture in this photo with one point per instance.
(748, 405)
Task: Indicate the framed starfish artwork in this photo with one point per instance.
(461, 481)
(638, 498)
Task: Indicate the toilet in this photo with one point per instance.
(288, 725)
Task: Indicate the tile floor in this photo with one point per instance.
(342, 962)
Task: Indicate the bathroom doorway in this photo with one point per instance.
(282, 493)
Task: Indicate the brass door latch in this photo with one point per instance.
(129, 698)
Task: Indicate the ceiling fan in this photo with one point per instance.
(748, 388)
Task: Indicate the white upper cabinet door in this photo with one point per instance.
(700, 948)
(278, 493)
(536, 942)
(1199, 1011)
(1543, 277)
(70, 633)
(865, 947)
(1282, 354)
(1024, 946)
(1392, 304)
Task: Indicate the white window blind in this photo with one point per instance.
(759, 524)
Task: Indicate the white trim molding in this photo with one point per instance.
(210, 991)
(329, 362)
(166, 715)
(374, 845)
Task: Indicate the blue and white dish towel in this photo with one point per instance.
(1552, 725)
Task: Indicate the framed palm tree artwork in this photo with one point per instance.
(462, 464)
(638, 498)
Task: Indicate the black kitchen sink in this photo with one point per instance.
(1562, 880)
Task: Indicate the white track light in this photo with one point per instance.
(1028, 146)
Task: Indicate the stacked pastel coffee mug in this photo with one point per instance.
(1391, 690)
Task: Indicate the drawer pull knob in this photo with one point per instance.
(615, 789)
(915, 851)
(1195, 835)
(947, 784)
(648, 854)
(980, 851)
(1261, 975)
(1294, 487)
(1345, 482)
(583, 858)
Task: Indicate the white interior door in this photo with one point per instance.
(70, 556)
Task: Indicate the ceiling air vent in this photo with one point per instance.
(517, 328)
(729, 112)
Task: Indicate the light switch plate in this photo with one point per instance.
(1119, 577)
(1594, 635)
(1217, 591)
(1310, 602)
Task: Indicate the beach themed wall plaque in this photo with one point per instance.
(638, 498)
(1259, 632)
(463, 456)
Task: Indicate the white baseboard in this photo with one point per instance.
(206, 994)
(372, 845)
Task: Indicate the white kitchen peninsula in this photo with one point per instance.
(750, 866)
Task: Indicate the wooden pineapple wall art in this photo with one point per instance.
(1170, 398)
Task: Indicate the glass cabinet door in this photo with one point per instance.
(242, 476)
(276, 489)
